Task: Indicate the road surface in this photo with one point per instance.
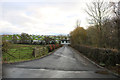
(61, 64)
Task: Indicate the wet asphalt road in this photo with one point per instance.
(61, 64)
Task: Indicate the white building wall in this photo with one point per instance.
(65, 42)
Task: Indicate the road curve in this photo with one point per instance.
(61, 64)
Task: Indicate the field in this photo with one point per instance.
(19, 52)
(34, 37)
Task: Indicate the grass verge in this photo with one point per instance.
(20, 52)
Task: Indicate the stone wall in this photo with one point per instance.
(40, 51)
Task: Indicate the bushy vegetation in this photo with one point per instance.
(78, 36)
(104, 32)
(25, 38)
(5, 46)
(52, 47)
(104, 57)
(90, 36)
(101, 41)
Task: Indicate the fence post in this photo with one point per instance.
(43, 51)
(19, 54)
(33, 53)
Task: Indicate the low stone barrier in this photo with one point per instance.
(40, 51)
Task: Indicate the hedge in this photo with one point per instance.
(52, 47)
(109, 57)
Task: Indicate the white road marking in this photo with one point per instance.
(62, 71)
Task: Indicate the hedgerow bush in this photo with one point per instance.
(52, 47)
(109, 57)
(5, 46)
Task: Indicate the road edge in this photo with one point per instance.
(115, 74)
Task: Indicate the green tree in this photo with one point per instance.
(5, 46)
(91, 36)
(14, 39)
(25, 38)
(78, 36)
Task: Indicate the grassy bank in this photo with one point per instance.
(20, 52)
(25, 52)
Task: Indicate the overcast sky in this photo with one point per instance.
(43, 17)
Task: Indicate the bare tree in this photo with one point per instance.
(116, 10)
(99, 12)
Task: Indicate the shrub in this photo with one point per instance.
(5, 46)
(57, 45)
(108, 57)
(60, 45)
(51, 47)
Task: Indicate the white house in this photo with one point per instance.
(65, 41)
(35, 41)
